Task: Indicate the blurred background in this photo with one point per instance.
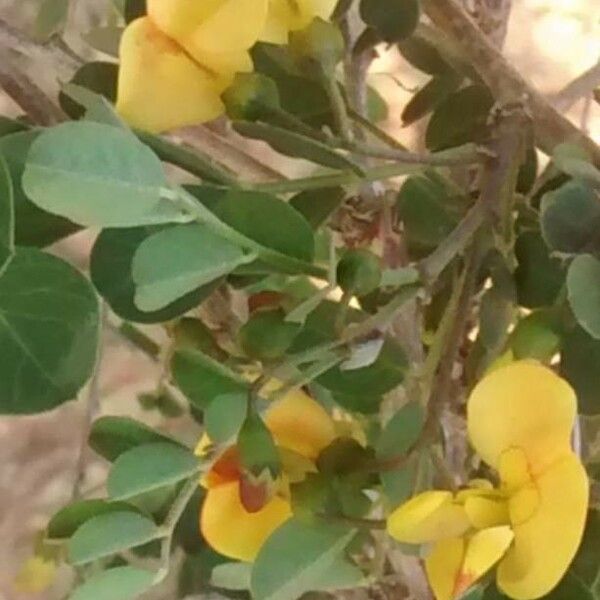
(550, 41)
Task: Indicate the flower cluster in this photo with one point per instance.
(178, 59)
(301, 429)
(520, 420)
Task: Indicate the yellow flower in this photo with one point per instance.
(520, 419)
(291, 15)
(301, 429)
(177, 61)
(36, 575)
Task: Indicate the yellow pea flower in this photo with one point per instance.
(177, 61)
(36, 575)
(301, 429)
(520, 418)
(291, 15)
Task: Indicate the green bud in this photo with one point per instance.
(321, 42)
(359, 272)
(251, 97)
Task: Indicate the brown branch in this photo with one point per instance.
(506, 83)
(28, 95)
(580, 87)
(15, 40)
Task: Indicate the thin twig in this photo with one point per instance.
(580, 87)
(506, 83)
(27, 94)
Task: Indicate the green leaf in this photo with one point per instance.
(231, 576)
(585, 566)
(383, 375)
(536, 336)
(69, 519)
(149, 467)
(112, 436)
(422, 54)
(299, 558)
(119, 583)
(429, 97)
(285, 230)
(204, 380)
(583, 287)
(574, 161)
(257, 449)
(108, 534)
(33, 226)
(51, 18)
(267, 335)
(224, 415)
(98, 77)
(392, 21)
(316, 206)
(423, 206)
(97, 175)
(496, 314)
(8, 126)
(580, 366)
(111, 269)
(397, 438)
(48, 333)
(105, 38)
(7, 216)
(459, 119)
(178, 260)
(296, 145)
(571, 218)
(538, 276)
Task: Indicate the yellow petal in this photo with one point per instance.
(317, 8)
(483, 551)
(36, 575)
(546, 543)
(284, 16)
(301, 424)
(160, 86)
(234, 532)
(486, 512)
(523, 405)
(443, 566)
(210, 26)
(428, 517)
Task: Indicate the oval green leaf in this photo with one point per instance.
(111, 271)
(583, 286)
(149, 467)
(48, 332)
(109, 534)
(119, 583)
(178, 260)
(97, 175)
(112, 436)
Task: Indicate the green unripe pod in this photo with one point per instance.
(251, 97)
(321, 43)
(266, 336)
(359, 272)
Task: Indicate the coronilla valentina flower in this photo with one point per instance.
(520, 419)
(177, 61)
(291, 15)
(301, 429)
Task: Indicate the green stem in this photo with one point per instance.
(340, 178)
(193, 162)
(168, 528)
(199, 212)
(338, 104)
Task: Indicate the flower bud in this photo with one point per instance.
(251, 97)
